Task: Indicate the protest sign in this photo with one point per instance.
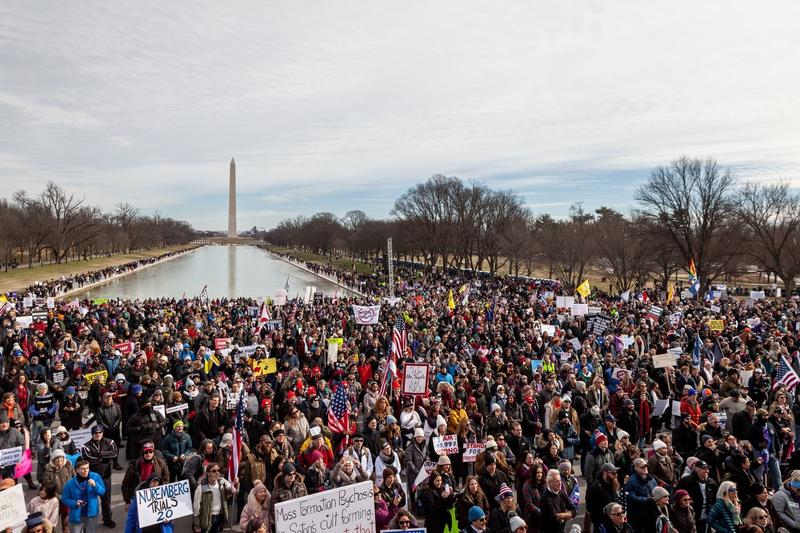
(39, 314)
(716, 325)
(675, 319)
(253, 310)
(579, 309)
(424, 472)
(471, 451)
(415, 530)
(156, 505)
(12, 507)
(10, 456)
(664, 360)
(27, 302)
(565, 301)
(550, 329)
(447, 445)
(686, 295)
(351, 507)
(757, 295)
(676, 408)
(536, 365)
(265, 366)
(318, 298)
(575, 343)
(80, 437)
(160, 409)
(598, 324)
(51, 303)
(280, 297)
(620, 373)
(715, 309)
(660, 407)
(366, 314)
(221, 343)
(100, 376)
(627, 340)
(333, 352)
(415, 379)
(124, 347)
(593, 310)
(176, 408)
(273, 325)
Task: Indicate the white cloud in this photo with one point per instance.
(146, 102)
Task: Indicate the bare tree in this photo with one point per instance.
(690, 201)
(569, 246)
(771, 216)
(622, 250)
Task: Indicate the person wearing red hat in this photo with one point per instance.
(595, 459)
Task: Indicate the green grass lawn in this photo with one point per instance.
(336, 261)
(23, 277)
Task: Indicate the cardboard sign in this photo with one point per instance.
(715, 309)
(565, 301)
(273, 325)
(12, 507)
(366, 314)
(415, 379)
(471, 451)
(161, 504)
(351, 507)
(11, 456)
(81, 437)
(124, 347)
(579, 309)
(447, 445)
(176, 408)
(39, 315)
(265, 366)
(221, 343)
(100, 376)
(664, 360)
(716, 325)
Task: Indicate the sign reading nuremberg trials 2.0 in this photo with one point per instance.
(350, 508)
(161, 504)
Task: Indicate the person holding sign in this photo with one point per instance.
(132, 522)
(80, 496)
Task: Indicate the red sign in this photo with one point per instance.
(221, 343)
(124, 348)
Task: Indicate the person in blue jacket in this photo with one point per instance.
(132, 522)
(81, 495)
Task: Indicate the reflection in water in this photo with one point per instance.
(232, 269)
(250, 272)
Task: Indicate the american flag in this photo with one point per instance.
(236, 452)
(398, 349)
(262, 319)
(204, 295)
(339, 413)
(786, 376)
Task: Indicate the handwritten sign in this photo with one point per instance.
(366, 314)
(221, 343)
(716, 325)
(447, 445)
(80, 437)
(579, 309)
(100, 376)
(124, 347)
(12, 507)
(565, 301)
(715, 309)
(663, 360)
(471, 451)
(11, 456)
(351, 507)
(157, 505)
(415, 380)
(333, 352)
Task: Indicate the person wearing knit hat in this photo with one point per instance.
(597, 457)
(682, 512)
(640, 487)
(517, 525)
(505, 492)
(661, 498)
(498, 519)
(661, 466)
(176, 447)
(477, 519)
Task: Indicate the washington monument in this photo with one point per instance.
(232, 202)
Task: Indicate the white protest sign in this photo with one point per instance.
(447, 445)
(51, 303)
(27, 302)
(664, 360)
(593, 310)
(676, 408)
(620, 373)
(471, 451)
(715, 309)
(415, 379)
(686, 295)
(660, 407)
(80, 436)
(550, 329)
(24, 321)
(579, 309)
(157, 505)
(366, 314)
(565, 301)
(351, 507)
(745, 375)
(575, 343)
(333, 352)
(160, 409)
(424, 472)
(11, 456)
(176, 408)
(757, 295)
(279, 298)
(12, 507)
(627, 340)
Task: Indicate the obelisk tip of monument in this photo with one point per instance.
(233, 162)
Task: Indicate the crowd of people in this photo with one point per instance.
(651, 415)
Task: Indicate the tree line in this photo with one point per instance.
(689, 209)
(56, 227)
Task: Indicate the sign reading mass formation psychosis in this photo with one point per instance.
(349, 509)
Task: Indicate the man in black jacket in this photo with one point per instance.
(109, 416)
(102, 453)
(603, 491)
(557, 509)
(703, 490)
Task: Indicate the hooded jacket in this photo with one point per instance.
(253, 509)
(58, 477)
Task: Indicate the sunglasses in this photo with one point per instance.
(149, 451)
(617, 514)
(404, 523)
(215, 471)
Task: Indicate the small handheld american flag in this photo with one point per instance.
(786, 376)
(398, 349)
(339, 413)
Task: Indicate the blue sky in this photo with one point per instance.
(343, 105)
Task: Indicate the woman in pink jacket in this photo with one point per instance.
(257, 506)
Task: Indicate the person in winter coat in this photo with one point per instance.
(725, 514)
(604, 490)
(660, 465)
(639, 489)
(176, 447)
(43, 452)
(288, 486)
(46, 503)
(499, 518)
(70, 410)
(601, 454)
(347, 472)
(382, 513)
(436, 499)
(614, 520)
(257, 507)
(701, 502)
(132, 520)
(569, 436)
(9, 438)
(145, 426)
(42, 410)
(56, 474)
(101, 454)
(147, 464)
(109, 415)
(207, 518)
(210, 421)
(682, 513)
(415, 456)
(80, 496)
(386, 457)
(786, 501)
(472, 495)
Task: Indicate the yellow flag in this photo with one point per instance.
(3, 299)
(450, 302)
(670, 292)
(584, 289)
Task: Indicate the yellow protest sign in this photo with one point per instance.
(716, 325)
(337, 340)
(265, 366)
(100, 376)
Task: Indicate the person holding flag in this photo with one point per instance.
(694, 281)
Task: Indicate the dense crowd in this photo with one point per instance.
(633, 409)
